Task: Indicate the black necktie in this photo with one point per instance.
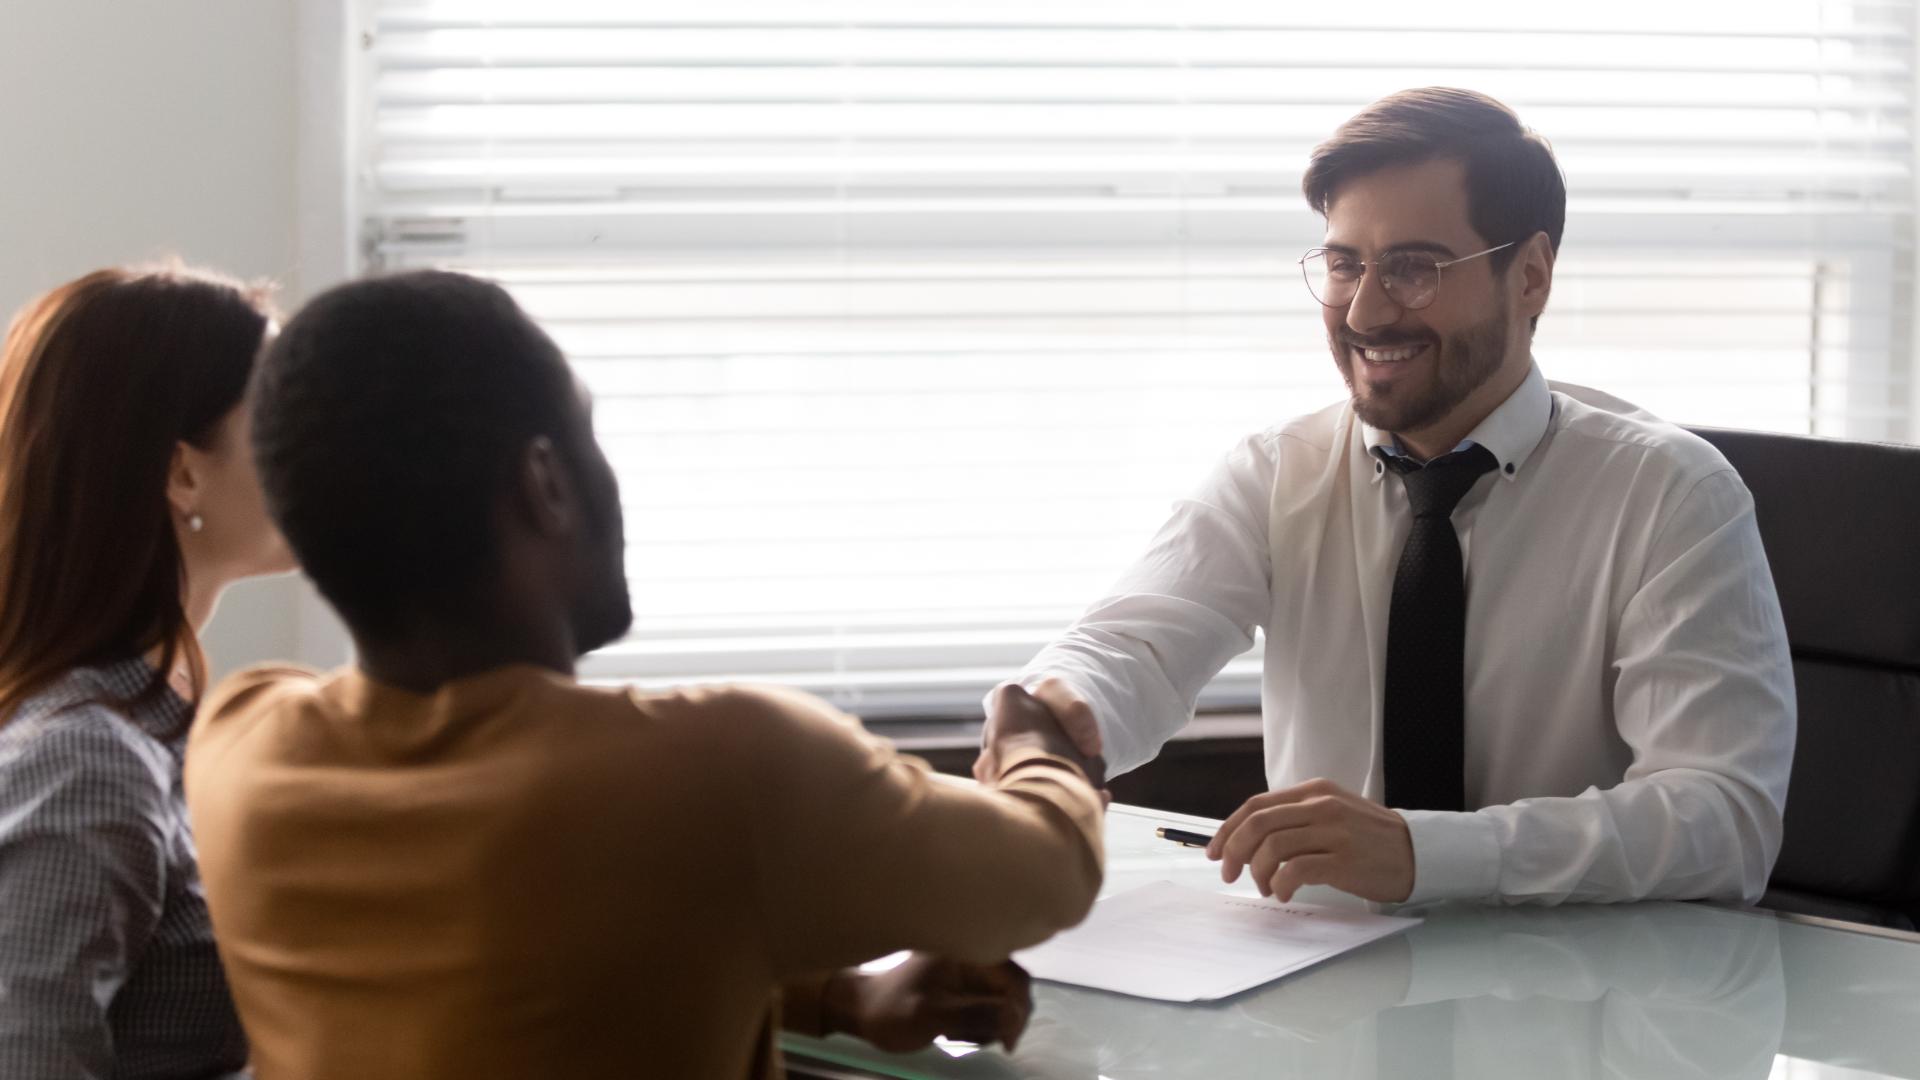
(1424, 725)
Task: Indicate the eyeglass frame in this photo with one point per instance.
(1439, 267)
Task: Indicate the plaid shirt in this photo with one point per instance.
(107, 964)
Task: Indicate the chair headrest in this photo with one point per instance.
(1841, 524)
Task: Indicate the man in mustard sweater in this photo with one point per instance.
(455, 861)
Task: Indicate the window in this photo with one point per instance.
(908, 318)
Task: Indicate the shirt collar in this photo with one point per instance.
(1512, 431)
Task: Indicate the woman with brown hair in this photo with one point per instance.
(127, 503)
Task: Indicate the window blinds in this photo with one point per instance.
(907, 319)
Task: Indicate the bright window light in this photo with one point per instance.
(907, 319)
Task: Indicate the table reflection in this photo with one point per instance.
(1652, 990)
(1629, 990)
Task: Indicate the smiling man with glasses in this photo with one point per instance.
(1521, 641)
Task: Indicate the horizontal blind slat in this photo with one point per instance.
(836, 272)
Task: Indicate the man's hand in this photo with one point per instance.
(1317, 833)
(903, 1008)
(1075, 716)
(1050, 719)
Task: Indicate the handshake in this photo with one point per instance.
(1050, 718)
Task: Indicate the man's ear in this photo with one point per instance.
(1536, 274)
(185, 478)
(544, 491)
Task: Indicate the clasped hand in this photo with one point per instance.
(1317, 833)
(1050, 719)
(906, 1006)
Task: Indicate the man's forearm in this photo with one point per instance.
(1677, 835)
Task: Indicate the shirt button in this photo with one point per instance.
(1509, 468)
(1378, 468)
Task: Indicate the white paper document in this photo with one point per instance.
(1174, 943)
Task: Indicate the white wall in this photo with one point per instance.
(132, 129)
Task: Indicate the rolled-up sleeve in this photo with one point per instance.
(82, 880)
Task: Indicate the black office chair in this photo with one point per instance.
(1841, 525)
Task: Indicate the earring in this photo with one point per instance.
(195, 523)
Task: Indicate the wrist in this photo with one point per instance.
(1043, 742)
(840, 1002)
(1065, 755)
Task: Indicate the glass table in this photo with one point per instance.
(1630, 990)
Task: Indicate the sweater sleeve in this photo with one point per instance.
(859, 851)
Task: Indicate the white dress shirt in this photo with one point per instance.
(1629, 699)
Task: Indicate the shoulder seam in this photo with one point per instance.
(1660, 534)
(1686, 471)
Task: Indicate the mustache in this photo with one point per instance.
(1369, 341)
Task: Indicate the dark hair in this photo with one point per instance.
(100, 380)
(388, 415)
(1514, 187)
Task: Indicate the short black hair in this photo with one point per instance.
(1514, 186)
(388, 416)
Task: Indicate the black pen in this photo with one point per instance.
(1183, 837)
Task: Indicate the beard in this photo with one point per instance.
(1457, 366)
(605, 616)
(603, 612)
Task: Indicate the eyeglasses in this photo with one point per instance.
(1411, 278)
